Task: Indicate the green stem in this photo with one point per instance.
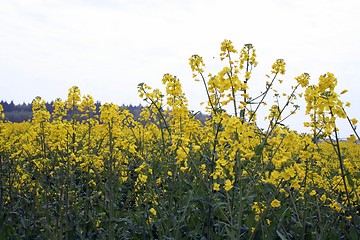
(341, 161)
(264, 95)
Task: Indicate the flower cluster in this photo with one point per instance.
(82, 172)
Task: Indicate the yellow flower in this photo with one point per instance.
(158, 181)
(290, 171)
(275, 203)
(245, 95)
(344, 91)
(74, 97)
(142, 178)
(92, 182)
(228, 185)
(153, 211)
(323, 198)
(303, 79)
(181, 154)
(295, 185)
(278, 67)
(40, 113)
(313, 193)
(196, 63)
(216, 187)
(2, 112)
(336, 206)
(352, 138)
(285, 175)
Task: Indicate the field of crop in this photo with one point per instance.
(75, 175)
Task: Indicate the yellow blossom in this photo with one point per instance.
(153, 211)
(285, 175)
(313, 193)
(295, 185)
(142, 178)
(323, 198)
(279, 67)
(282, 190)
(344, 91)
(2, 116)
(303, 79)
(158, 181)
(228, 185)
(352, 138)
(275, 203)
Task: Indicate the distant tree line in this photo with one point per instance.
(17, 112)
(23, 112)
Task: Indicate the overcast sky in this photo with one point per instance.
(107, 47)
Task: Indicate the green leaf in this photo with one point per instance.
(353, 234)
(282, 237)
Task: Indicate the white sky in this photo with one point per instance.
(107, 47)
